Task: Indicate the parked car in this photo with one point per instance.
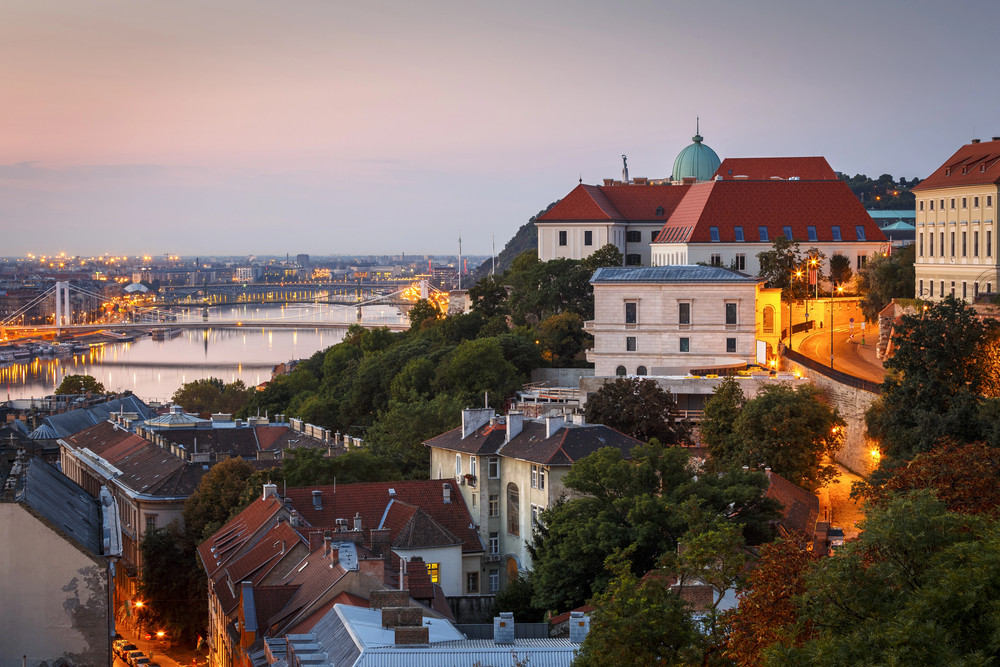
(124, 648)
(132, 655)
(141, 662)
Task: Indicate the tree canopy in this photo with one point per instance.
(79, 384)
(640, 408)
(209, 507)
(607, 255)
(211, 395)
(884, 278)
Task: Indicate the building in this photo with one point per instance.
(57, 551)
(681, 320)
(509, 469)
(956, 229)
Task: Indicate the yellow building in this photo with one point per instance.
(956, 228)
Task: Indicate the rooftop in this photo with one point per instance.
(692, 273)
(972, 164)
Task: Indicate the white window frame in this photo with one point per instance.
(494, 581)
(458, 465)
(534, 477)
(472, 466)
(493, 467)
(541, 477)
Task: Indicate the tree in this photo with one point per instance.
(640, 408)
(477, 367)
(399, 432)
(516, 598)
(607, 255)
(840, 269)
(562, 338)
(717, 427)
(647, 503)
(309, 467)
(790, 431)
(172, 588)
(489, 296)
(211, 395)
(208, 508)
(423, 310)
(637, 621)
(884, 278)
(942, 368)
(541, 289)
(918, 587)
(79, 384)
(778, 265)
(767, 613)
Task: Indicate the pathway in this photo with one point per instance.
(836, 506)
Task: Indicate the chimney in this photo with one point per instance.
(553, 424)
(315, 540)
(995, 139)
(374, 567)
(327, 541)
(579, 626)
(293, 520)
(317, 500)
(447, 493)
(503, 628)
(270, 490)
(579, 419)
(474, 418)
(515, 422)
(357, 521)
(975, 141)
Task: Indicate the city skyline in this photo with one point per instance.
(220, 129)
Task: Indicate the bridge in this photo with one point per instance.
(334, 292)
(215, 324)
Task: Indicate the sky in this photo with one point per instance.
(321, 126)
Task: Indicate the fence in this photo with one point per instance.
(839, 376)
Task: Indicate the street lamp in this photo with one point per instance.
(840, 289)
(798, 274)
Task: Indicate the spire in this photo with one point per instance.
(697, 138)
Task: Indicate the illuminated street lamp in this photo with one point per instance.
(840, 289)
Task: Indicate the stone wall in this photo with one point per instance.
(472, 608)
(852, 404)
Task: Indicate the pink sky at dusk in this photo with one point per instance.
(236, 127)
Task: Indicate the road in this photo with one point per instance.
(850, 356)
(835, 504)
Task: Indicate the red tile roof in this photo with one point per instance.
(268, 435)
(276, 541)
(771, 204)
(371, 499)
(415, 529)
(625, 203)
(314, 576)
(800, 509)
(234, 539)
(972, 164)
(764, 168)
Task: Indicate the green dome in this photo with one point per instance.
(696, 161)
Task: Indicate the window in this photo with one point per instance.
(932, 288)
(562, 238)
(633, 259)
(768, 319)
(965, 290)
(494, 581)
(942, 245)
(835, 230)
(942, 289)
(475, 499)
(534, 477)
(731, 345)
(684, 313)
(472, 466)
(620, 371)
(859, 231)
(541, 477)
(494, 543)
(989, 244)
(150, 522)
(659, 211)
(811, 231)
(714, 231)
(975, 290)
(975, 202)
(965, 247)
(953, 244)
(630, 343)
(762, 233)
(741, 261)
(921, 205)
(989, 288)
(685, 344)
(640, 371)
(434, 569)
(953, 288)
(975, 244)
(920, 292)
(458, 465)
(953, 204)
(472, 582)
(932, 204)
(738, 232)
(862, 258)
(921, 245)
(788, 233)
(633, 237)
(588, 238)
(716, 259)
(534, 514)
(494, 467)
(989, 200)
(495, 505)
(964, 201)
(942, 204)
(630, 312)
(930, 244)
(513, 510)
(730, 313)
(652, 235)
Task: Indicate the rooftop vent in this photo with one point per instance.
(447, 493)
(503, 628)
(579, 626)
(317, 500)
(975, 141)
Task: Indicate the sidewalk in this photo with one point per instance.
(836, 506)
(160, 653)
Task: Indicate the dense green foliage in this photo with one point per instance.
(79, 384)
(211, 395)
(172, 587)
(647, 503)
(785, 267)
(884, 193)
(606, 255)
(640, 408)
(943, 381)
(788, 430)
(840, 269)
(884, 278)
(208, 508)
(517, 598)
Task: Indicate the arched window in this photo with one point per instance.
(768, 320)
(620, 370)
(641, 370)
(513, 510)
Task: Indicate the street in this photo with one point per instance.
(850, 356)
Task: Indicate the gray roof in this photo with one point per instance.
(65, 423)
(67, 506)
(890, 214)
(686, 273)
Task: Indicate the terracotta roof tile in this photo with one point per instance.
(316, 574)
(268, 435)
(800, 508)
(631, 203)
(415, 529)
(763, 168)
(233, 539)
(972, 164)
(269, 600)
(306, 625)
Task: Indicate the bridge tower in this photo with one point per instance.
(423, 289)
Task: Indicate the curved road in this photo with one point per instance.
(850, 356)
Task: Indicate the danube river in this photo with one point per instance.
(154, 370)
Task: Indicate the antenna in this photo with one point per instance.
(459, 259)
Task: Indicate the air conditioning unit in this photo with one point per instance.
(492, 558)
(460, 480)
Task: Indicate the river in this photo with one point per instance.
(154, 370)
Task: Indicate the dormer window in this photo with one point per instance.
(714, 231)
(659, 211)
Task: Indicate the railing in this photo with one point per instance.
(839, 376)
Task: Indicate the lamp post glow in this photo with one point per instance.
(840, 289)
(798, 274)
